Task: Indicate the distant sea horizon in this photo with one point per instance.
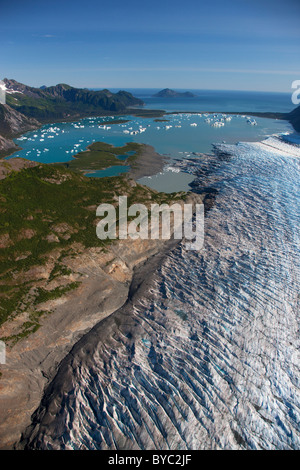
(214, 100)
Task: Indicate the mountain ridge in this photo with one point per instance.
(13, 123)
(62, 100)
(28, 108)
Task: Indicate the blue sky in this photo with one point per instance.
(191, 44)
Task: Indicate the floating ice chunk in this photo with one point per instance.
(173, 169)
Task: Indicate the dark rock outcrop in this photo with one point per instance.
(294, 118)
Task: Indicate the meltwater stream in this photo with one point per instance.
(208, 357)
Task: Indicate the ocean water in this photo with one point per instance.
(217, 100)
(111, 171)
(208, 358)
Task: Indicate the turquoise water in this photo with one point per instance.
(126, 155)
(61, 141)
(111, 171)
(168, 181)
(183, 135)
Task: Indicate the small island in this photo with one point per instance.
(167, 93)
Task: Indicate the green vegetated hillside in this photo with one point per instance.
(100, 155)
(64, 101)
(48, 213)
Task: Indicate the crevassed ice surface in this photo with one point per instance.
(208, 357)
